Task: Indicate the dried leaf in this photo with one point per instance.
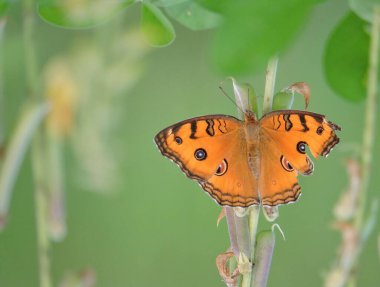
(224, 272)
(349, 246)
(84, 278)
(222, 214)
(271, 213)
(303, 89)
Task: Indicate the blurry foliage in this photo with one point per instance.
(103, 76)
(79, 13)
(248, 33)
(84, 86)
(157, 29)
(346, 61)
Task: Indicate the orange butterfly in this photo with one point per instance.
(251, 162)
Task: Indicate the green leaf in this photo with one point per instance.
(167, 3)
(363, 8)
(4, 4)
(245, 98)
(213, 5)
(194, 16)
(156, 28)
(254, 31)
(346, 58)
(283, 100)
(81, 14)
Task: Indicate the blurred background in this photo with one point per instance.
(132, 217)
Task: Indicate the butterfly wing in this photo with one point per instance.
(284, 137)
(213, 151)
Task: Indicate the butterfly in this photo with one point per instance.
(250, 162)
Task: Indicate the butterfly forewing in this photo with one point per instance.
(212, 150)
(299, 126)
(283, 141)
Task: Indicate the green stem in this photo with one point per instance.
(40, 194)
(254, 215)
(2, 100)
(20, 141)
(33, 89)
(263, 259)
(370, 115)
(30, 51)
(270, 81)
(369, 132)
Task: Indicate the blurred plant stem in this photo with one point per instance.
(34, 91)
(370, 115)
(353, 217)
(369, 126)
(29, 122)
(30, 50)
(2, 98)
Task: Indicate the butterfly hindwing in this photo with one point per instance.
(278, 180)
(212, 150)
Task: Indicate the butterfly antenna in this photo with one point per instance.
(228, 97)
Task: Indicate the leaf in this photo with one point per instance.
(156, 28)
(245, 98)
(254, 31)
(4, 4)
(213, 5)
(363, 8)
(167, 3)
(194, 16)
(283, 100)
(80, 14)
(346, 58)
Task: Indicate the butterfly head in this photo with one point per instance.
(250, 116)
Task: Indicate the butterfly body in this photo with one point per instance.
(250, 162)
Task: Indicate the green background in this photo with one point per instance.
(158, 228)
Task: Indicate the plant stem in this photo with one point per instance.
(38, 165)
(368, 133)
(41, 212)
(29, 121)
(370, 116)
(232, 230)
(2, 100)
(270, 81)
(254, 215)
(30, 52)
